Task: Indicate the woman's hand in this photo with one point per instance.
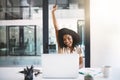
(54, 8)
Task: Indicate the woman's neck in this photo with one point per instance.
(71, 49)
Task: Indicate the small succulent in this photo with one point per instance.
(28, 73)
(88, 77)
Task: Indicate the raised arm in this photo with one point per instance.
(55, 22)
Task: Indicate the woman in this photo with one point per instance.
(68, 40)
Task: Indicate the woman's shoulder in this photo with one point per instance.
(78, 47)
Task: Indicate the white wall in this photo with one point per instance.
(105, 32)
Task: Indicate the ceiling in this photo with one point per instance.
(38, 3)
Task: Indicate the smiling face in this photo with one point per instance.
(68, 40)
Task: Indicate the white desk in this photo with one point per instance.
(12, 73)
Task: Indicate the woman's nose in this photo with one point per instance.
(66, 41)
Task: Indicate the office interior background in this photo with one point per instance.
(104, 34)
(26, 28)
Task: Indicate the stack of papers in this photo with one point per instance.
(91, 71)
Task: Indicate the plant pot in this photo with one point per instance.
(88, 77)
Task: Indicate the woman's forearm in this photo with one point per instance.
(54, 20)
(80, 62)
(55, 23)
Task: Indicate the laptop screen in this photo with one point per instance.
(60, 65)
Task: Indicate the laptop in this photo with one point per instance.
(60, 66)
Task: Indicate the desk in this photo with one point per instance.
(11, 73)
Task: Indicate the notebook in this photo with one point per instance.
(60, 66)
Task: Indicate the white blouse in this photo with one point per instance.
(76, 49)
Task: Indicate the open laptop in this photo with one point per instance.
(60, 66)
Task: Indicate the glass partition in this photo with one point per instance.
(21, 40)
(22, 44)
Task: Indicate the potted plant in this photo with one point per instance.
(88, 77)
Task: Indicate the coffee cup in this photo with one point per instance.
(106, 70)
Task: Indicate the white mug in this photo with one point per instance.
(106, 71)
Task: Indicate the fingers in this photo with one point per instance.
(54, 6)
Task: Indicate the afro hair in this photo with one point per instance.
(75, 36)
